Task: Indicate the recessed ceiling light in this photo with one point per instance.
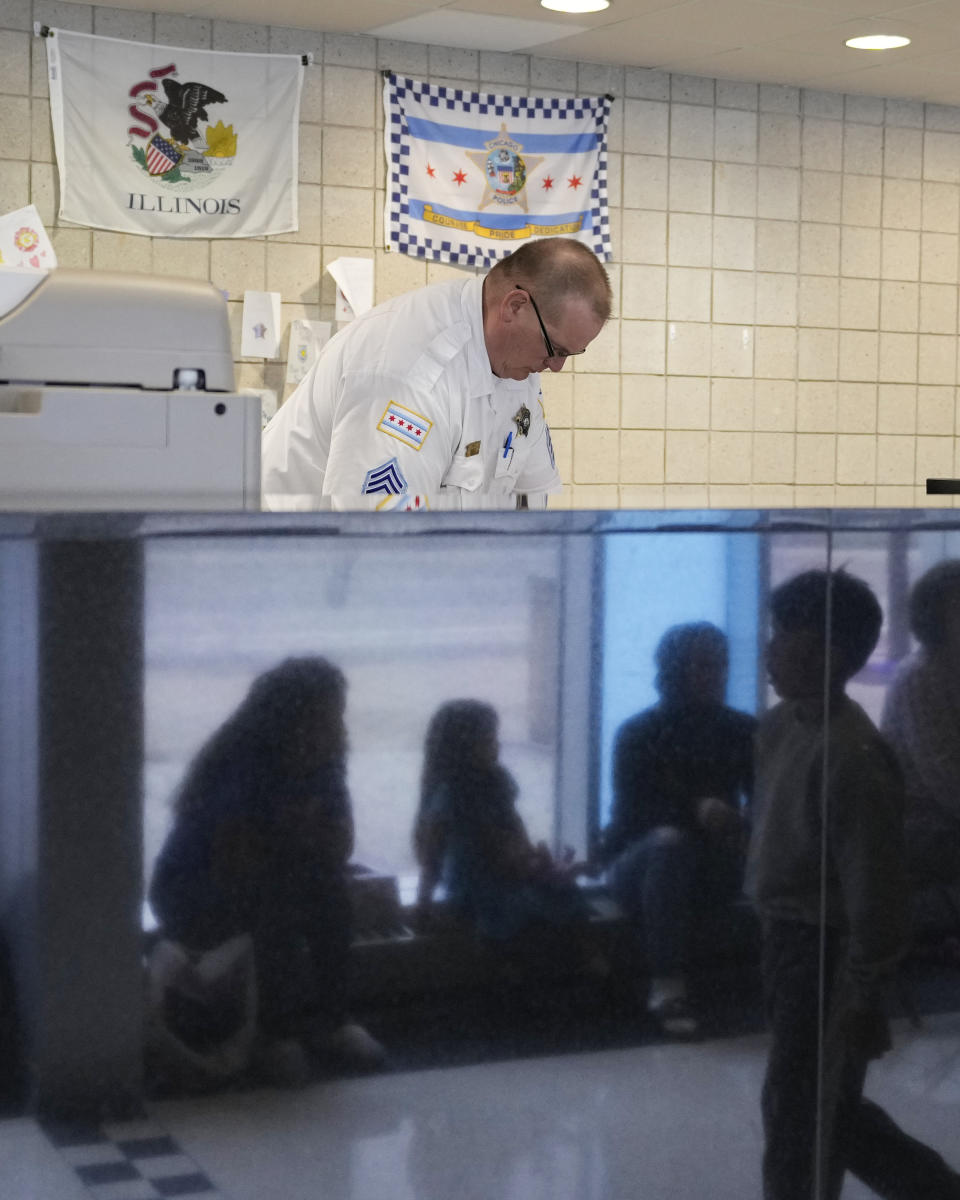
(877, 41)
(575, 6)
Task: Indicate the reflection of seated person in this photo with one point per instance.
(469, 835)
(262, 834)
(921, 721)
(676, 837)
(827, 876)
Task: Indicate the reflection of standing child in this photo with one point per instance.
(921, 720)
(469, 835)
(827, 875)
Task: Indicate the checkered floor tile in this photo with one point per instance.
(133, 1161)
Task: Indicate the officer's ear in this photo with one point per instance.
(512, 305)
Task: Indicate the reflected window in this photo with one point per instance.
(654, 582)
(412, 623)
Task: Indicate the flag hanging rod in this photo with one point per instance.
(45, 31)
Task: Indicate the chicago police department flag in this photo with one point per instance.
(472, 176)
(171, 142)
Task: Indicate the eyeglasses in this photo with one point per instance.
(552, 351)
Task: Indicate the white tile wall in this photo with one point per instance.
(775, 353)
(786, 269)
(860, 252)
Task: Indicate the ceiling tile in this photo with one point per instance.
(942, 14)
(357, 16)
(791, 42)
(830, 40)
(838, 9)
(733, 22)
(762, 64)
(626, 43)
(534, 12)
(473, 30)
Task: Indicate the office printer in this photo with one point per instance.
(117, 392)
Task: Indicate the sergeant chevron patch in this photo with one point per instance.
(386, 478)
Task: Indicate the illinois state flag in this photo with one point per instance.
(473, 175)
(171, 142)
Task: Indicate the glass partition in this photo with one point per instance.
(625, 661)
(908, 688)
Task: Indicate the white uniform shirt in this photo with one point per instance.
(402, 410)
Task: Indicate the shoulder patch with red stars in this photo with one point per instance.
(405, 425)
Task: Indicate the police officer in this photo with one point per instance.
(432, 400)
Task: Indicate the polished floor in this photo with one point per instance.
(659, 1122)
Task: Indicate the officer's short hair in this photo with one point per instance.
(555, 269)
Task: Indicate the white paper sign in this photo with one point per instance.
(261, 325)
(24, 241)
(307, 339)
(354, 279)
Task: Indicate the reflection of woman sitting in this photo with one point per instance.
(469, 834)
(262, 834)
(921, 721)
(676, 836)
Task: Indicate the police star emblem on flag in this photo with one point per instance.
(505, 170)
